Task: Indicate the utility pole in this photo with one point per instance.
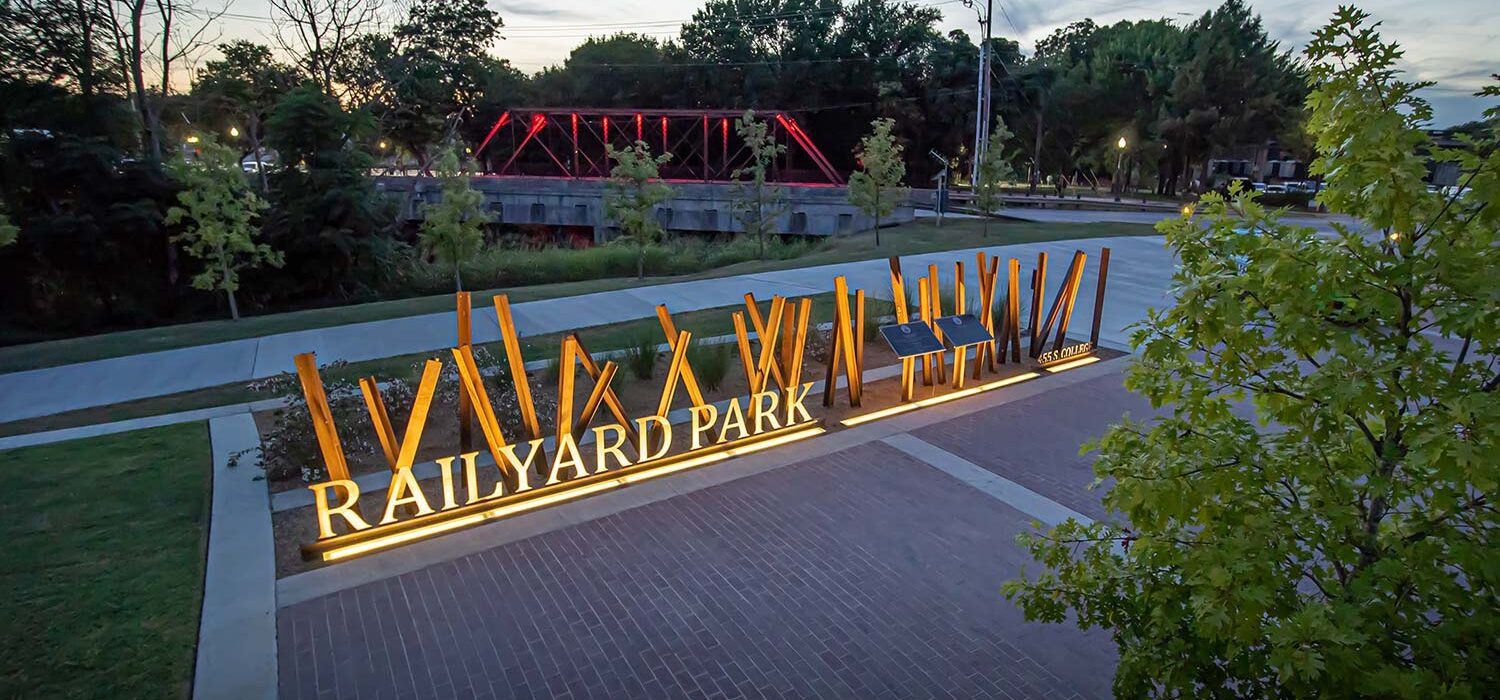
(982, 108)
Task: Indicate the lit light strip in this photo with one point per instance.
(1070, 365)
(560, 497)
(934, 400)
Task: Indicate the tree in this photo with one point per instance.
(244, 85)
(875, 187)
(326, 215)
(758, 203)
(994, 169)
(1339, 541)
(319, 35)
(453, 229)
(631, 196)
(9, 232)
(149, 37)
(218, 214)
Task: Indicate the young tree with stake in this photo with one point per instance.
(1338, 543)
(994, 169)
(218, 212)
(875, 187)
(631, 196)
(759, 204)
(453, 229)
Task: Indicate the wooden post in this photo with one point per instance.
(960, 354)
(1099, 296)
(935, 299)
(465, 337)
(1038, 282)
(898, 300)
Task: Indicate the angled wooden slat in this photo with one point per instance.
(611, 400)
(1064, 292)
(381, 419)
(517, 365)
(1075, 281)
(322, 416)
(670, 329)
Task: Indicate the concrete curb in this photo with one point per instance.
(237, 629)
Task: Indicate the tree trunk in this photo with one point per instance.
(234, 308)
(640, 261)
(877, 217)
(260, 167)
(1036, 148)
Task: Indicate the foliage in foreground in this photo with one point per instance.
(1339, 542)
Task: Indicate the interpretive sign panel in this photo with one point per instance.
(911, 339)
(963, 330)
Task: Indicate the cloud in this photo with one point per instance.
(531, 9)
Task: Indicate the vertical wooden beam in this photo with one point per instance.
(960, 354)
(794, 366)
(565, 386)
(926, 306)
(842, 350)
(465, 337)
(859, 336)
(322, 416)
(1013, 311)
(1099, 296)
(1038, 282)
(935, 300)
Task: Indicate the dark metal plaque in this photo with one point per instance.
(911, 339)
(962, 330)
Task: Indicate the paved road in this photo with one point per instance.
(866, 569)
(1139, 272)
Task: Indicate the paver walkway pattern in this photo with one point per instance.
(865, 573)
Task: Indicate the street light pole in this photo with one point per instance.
(982, 105)
(1118, 186)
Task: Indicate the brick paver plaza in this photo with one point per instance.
(867, 573)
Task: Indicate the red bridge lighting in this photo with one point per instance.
(582, 135)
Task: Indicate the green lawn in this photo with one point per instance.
(907, 239)
(103, 567)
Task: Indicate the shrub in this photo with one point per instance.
(640, 356)
(710, 364)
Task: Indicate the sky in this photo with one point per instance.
(1454, 43)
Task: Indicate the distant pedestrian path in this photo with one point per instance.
(1139, 273)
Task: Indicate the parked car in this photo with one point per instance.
(1273, 189)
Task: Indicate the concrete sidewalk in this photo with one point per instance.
(1140, 270)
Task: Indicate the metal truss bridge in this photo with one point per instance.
(570, 143)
